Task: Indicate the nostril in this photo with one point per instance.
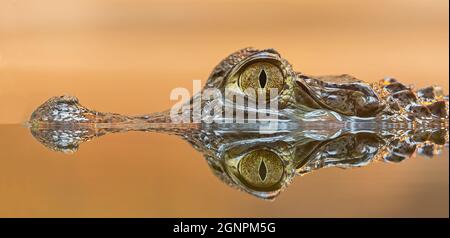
(262, 78)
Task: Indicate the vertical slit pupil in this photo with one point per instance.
(262, 78)
(262, 170)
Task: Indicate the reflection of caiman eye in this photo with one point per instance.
(261, 75)
(261, 169)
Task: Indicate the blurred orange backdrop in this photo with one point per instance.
(126, 56)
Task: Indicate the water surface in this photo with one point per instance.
(138, 174)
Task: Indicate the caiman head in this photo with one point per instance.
(252, 74)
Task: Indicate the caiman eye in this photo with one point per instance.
(261, 169)
(261, 75)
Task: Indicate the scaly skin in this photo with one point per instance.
(322, 121)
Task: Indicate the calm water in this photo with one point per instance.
(137, 174)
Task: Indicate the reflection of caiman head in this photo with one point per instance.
(265, 167)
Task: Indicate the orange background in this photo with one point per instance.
(154, 175)
(126, 57)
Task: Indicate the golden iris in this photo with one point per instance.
(261, 76)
